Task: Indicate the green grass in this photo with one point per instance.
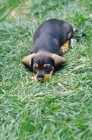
(61, 107)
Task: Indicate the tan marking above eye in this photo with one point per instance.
(46, 65)
(35, 65)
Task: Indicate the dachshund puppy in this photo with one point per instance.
(50, 41)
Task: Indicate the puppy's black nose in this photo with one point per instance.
(40, 78)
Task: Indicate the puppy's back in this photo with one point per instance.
(59, 29)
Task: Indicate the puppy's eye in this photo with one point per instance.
(48, 65)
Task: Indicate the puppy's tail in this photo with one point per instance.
(78, 34)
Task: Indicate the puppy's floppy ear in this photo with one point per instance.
(58, 59)
(28, 59)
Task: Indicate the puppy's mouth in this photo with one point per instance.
(39, 77)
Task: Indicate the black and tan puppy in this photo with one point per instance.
(50, 40)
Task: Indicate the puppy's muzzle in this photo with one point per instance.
(40, 77)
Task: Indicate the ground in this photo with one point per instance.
(61, 107)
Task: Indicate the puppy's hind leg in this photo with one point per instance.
(64, 48)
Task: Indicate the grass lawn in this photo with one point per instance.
(61, 107)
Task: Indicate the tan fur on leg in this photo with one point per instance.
(64, 48)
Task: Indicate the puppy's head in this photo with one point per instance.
(43, 67)
(43, 64)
